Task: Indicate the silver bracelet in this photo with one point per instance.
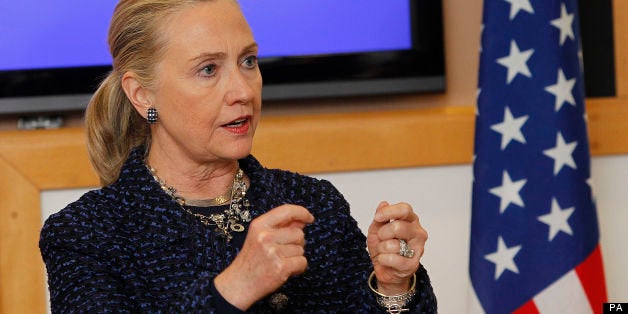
(396, 303)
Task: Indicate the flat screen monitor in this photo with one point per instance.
(53, 53)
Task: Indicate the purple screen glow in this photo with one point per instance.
(69, 33)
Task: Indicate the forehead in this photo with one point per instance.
(206, 23)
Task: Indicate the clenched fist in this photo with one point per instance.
(272, 252)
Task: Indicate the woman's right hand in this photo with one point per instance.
(272, 253)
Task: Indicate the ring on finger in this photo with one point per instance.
(404, 250)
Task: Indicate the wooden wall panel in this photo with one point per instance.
(608, 126)
(620, 22)
(368, 140)
(21, 267)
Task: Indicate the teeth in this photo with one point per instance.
(237, 122)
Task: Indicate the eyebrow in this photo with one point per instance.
(219, 55)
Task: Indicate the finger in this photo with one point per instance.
(286, 214)
(400, 211)
(289, 250)
(392, 246)
(296, 265)
(400, 266)
(291, 235)
(296, 224)
(282, 236)
(375, 225)
(380, 208)
(284, 268)
(398, 229)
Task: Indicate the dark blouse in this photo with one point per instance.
(128, 247)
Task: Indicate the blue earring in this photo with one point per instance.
(151, 115)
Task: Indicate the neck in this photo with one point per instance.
(195, 181)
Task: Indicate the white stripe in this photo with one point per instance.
(566, 295)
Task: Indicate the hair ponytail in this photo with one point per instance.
(113, 129)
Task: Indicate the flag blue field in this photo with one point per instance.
(534, 230)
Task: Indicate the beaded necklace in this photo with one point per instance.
(231, 219)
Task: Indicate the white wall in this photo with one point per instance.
(442, 197)
(610, 175)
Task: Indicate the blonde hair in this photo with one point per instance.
(113, 125)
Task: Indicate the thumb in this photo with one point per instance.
(378, 212)
(376, 224)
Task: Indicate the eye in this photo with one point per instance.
(208, 70)
(250, 62)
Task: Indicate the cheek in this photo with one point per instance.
(188, 104)
(259, 84)
(189, 120)
(199, 118)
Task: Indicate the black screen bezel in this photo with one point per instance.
(420, 69)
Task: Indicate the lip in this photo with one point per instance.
(238, 126)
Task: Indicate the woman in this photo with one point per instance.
(187, 220)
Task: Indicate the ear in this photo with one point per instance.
(139, 95)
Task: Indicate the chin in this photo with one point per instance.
(241, 152)
(230, 148)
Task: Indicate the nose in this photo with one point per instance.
(241, 88)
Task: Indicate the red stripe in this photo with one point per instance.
(528, 308)
(591, 274)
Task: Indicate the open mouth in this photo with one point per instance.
(236, 123)
(239, 126)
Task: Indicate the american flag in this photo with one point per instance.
(534, 229)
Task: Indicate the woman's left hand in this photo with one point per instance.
(391, 224)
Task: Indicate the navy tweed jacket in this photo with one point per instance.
(129, 248)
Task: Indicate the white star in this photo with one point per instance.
(510, 129)
(508, 192)
(561, 153)
(564, 24)
(557, 220)
(518, 5)
(562, 90)
(591, 185)
(503, 258)
(516, 61)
